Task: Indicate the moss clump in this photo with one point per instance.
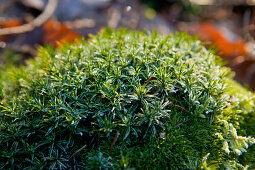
(123, 99)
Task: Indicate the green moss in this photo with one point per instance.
(124, 99)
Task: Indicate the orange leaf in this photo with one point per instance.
(57, 33)
(226, 48)
(8, 24)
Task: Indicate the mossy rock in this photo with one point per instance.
(121, 100)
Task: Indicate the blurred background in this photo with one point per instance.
(226, 25)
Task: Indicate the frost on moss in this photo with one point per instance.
(129, 100)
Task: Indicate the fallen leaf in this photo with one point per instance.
(8, 24)
(226, 48)
(57, 33)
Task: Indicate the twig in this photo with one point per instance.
(148, 81)
(19, 48)
(246, 24)
(115, 17)
(81, 23)
(42, 18)
(181, 123)
(77, 152)
(114, 140)
(178, 106)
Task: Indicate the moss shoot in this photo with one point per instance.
(125, 99)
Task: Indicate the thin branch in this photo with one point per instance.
(181, 123)
(19, 48)
(42, 18)
(114, 140)
(77, 152)
(148, 81)
(246, 25)
(81, 23)
(178, 106)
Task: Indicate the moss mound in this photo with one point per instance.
(122, 100)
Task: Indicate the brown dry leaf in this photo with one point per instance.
(57, 33)
(226, 48)
(8, 24)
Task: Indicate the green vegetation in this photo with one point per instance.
(122, 100)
